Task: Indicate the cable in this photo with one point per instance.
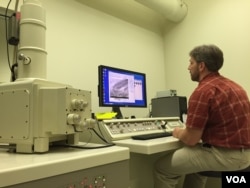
(12, 66)
(99, 136)
(84, 147)
(3, 15)
(12, 147)
(6, 30)
(99, 128)
(102, 138)
(88, 142)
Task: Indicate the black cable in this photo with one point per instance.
(99, 136)
(3, 15)
(84, 146)
(102, 138)
(63, 145)
(13, 76)
(11, 67)
(6, 30)
(99, 128)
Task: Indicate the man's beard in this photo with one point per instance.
(195, 76)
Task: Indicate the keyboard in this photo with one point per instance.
(151, 136)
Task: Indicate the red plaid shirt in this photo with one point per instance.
(222, 108)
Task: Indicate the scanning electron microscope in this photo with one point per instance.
(35, 112)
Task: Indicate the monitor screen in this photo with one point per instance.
(121, 88)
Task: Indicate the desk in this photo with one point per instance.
(151, 146)
(38, 170)
(143, 155)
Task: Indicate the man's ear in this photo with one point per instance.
(202, 66)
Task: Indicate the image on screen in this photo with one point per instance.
(121, 88)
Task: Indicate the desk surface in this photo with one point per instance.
(150, 146)
(19, 168)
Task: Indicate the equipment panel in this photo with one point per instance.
(104, 176)
(118, 129)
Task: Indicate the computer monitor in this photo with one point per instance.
(121, 88)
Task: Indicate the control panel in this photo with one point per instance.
(118, 129)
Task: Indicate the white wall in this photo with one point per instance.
(224, 23)
(80, 38)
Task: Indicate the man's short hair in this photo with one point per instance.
(211, 55)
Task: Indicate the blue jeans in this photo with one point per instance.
(190, 160)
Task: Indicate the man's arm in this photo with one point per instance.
(188, 136)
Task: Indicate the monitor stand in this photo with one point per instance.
(118, 111)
